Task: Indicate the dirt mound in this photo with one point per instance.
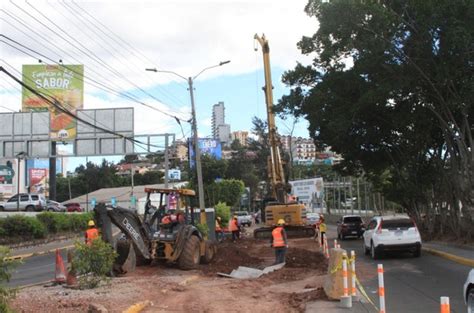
(229, 257)
(301, 258)
(298, 300)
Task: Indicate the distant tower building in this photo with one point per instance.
(241, 136)
(220, 130)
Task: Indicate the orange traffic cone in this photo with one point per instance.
(60, 274)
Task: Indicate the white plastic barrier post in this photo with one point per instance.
(335, 243)
(381, 288)
(345, 283)
(353, 274)
(346, 300)
(326, 248)
(445, 305)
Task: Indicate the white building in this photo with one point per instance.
(220, 130)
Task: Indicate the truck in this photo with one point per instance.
(279, 204)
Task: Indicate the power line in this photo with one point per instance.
(95, 58)
(107, 89)
(55, 103)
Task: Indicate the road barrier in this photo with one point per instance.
(381, 288)
(60, 272)
(445, 305)
(326, 248)
(353, 274)
(335, 243)
(345, 283)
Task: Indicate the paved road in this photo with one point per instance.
(36, 269)
(413, 285)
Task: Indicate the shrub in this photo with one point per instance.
(223, 211)
(93, 262)
(56, 222)
(6, 267)
(203, 229)
(25, 227)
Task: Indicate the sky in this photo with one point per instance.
(117, 40)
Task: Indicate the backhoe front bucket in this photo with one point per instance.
(291, 232)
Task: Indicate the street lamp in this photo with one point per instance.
(20, 156)
(194, 125)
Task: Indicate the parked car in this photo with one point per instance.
(73, 207)
(468, 292)
(53, 206)
(27, 202)
(312, 218)
(350, 225)
(244, 218)
(392, 233)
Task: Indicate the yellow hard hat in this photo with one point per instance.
(90, 223)
(218, 218)
(281, 222)
(235, 216)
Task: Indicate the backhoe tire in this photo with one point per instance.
(209, 252)
(189, 258)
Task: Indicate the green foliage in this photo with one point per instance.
(6, 267)
(227, 191)
(93, 262)
(203, 229)
(57, 222)
(25, 227)
(223, 211)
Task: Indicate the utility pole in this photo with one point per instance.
(167, 160)
(195, 134)
(197, 152)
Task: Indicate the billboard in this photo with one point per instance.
(208, 146)
(174, 174)
(308, 191)
(38, 180)
(62, 82)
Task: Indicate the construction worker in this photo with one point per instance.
(219, 230)
(234, 228)
(279, 241)
(91, 233)
(322, 229)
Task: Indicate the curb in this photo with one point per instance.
(449, 256)
(28, 255)
(138, 307)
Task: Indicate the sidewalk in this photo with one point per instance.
(460, 254)
(26, 252)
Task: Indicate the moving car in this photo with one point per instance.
(27, 202)
(73, 207)
(350, 225)
(468, 292)
(244, 218)
(391, 233)
(312, 218)
(53, 206)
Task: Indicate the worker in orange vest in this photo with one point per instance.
(92, 232)
(219, 230)
(234, 228)
(279, 241)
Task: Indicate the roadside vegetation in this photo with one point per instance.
(19, 228)
(92, 263)
(6, 268)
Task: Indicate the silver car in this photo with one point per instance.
(24, 202)
(468, 292)
(53, 206)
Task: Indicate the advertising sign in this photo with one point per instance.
(174, 174)
(207, 146)
(38, 178)
(6, 173)
(65, 84)
(308, 191)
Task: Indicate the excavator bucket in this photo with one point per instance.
(126, 257)
(291, 232)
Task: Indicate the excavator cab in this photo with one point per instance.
(165, 232)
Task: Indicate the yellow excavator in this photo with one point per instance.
(280, 204)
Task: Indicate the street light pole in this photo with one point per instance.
(197, 151)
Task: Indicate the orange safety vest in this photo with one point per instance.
(278, 240)
(233, 226)
(91, 234)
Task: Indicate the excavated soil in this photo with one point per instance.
(201, 290)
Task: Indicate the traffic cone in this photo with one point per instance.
(60, 274)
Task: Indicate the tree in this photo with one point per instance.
(227, 191)
(391, 88)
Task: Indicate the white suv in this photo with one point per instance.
(24, 202)
(391, 233)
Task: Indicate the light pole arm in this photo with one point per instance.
(209, 67)
(169, 72)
